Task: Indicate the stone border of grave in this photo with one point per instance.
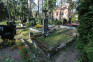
(49, 51)
(35, 30)
(67, 27)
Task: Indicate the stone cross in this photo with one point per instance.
(45, 30)
(45, 11)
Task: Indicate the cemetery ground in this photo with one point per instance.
(38, 48)
(67, 54)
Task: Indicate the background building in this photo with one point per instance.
(62, 12)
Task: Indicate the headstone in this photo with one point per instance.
(45, 30)
(64, 21)
(34, 21)
(8, 31)
(24, 21)
(69, 21)
(41, 21)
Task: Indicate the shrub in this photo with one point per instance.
(31, 18)
(18, 21)
(57, 22)
(38, 26)
(38, 21)
(24, 52)
(50, 21)
(6, 43)
(73, 19)
(3, 23)
(31, 23)
(85, 29)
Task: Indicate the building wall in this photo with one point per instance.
(65, 13)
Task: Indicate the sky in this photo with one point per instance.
(36, 1)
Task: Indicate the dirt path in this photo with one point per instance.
(12, 54)
(68, 54)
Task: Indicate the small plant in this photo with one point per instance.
(31, 23)
(38, 21)
(73, 19)
(20, 31)
(6, 43)
(18, 21)
(7, 59)
(57, 22)
(38, 26)
(24, 52)
(77, 61)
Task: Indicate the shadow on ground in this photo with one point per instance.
(12, 54)
(67, 54)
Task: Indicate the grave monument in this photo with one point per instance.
(45, 30)
(8, 31)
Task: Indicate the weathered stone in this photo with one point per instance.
(45, 30)
(34, 21)
(74, 34)
(8, 31)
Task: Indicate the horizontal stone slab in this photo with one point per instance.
(67, 27)
(35, 30)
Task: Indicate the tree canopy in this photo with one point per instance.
(3, 11)
(50, 3)
(85, 39)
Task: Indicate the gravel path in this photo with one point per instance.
(68, 54)
(12, 54)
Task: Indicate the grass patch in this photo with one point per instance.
(24, 34)
(55, 38)
(3, 23)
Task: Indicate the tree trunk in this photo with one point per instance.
(38, 8)
(47, 5)
(56, 2)
(61, 2)
(48, 8)
(8, 10)
(27, 3)
(60, 11)
(30, 9)
(71, 3)
(42, 7)
(21, 10)
(13, 9)
(22, 14)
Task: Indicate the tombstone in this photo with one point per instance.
(8, 31)
(64, 21)
(13, 25)
(24, 21)
(34, 21)
(69, 21)
(41, 21)
(45, 30)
